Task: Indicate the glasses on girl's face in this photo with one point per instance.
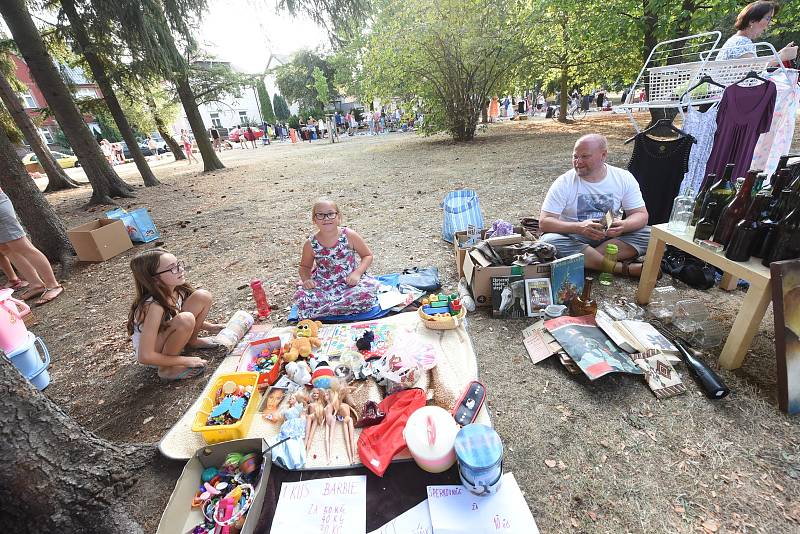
(179, 267)
(324, 216)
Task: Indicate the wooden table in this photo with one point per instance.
(755, 302)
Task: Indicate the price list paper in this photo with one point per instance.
(322, 506)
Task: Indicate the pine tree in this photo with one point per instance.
(281, 107)
(263, 98)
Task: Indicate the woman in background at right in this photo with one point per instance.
(751, 23)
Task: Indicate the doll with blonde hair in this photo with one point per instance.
(291, 454)
(315, 415)
(333, 266)
(338, 410)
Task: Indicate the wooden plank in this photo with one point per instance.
(745, 326)
(652, 264)
(728, 282)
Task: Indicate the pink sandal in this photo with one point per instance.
(15, 284)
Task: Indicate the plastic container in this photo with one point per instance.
(261, 299)
(13, 333)
(217, 433)
(430, 435)
(479, 451)
(609, 262)
(253, 351)
(29, 362)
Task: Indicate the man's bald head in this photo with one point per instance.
(589, 157)
(595, 141)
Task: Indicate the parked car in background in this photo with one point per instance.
(161, 145)
(126, 152)
(65, 160)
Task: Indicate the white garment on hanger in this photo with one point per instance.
(702, 126)
(778, 140)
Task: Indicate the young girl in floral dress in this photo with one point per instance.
(332, 279)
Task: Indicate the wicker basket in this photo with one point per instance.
(450, 323)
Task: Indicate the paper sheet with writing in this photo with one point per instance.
(417, 520)
(455, 510)
(322, 506)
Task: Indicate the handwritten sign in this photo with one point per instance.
(323, 506)
(454, 510)
(417, 520)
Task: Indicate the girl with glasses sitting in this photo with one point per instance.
(332, 268)
(167, 315)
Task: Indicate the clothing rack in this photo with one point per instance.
(675, 65)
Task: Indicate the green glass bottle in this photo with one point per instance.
(787, 241)
(707, 223)
(777, 212)
(699, 200)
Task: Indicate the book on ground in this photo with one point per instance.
(508, 297)
(566, 278)
(589, 347)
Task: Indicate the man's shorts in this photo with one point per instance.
(568, 244)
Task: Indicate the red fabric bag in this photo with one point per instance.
(378, 444)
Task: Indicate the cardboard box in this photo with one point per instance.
(99, 240)
(461, 249)
(179, 516)
(479, 272)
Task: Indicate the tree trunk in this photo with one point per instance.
(57, 178)
(210, 160)
(110, 97)
(105, 182)
(563, 83)
(45, 229)
(58, 476)
(174, 146)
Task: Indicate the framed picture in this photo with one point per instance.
(538, 295)
(786, 307)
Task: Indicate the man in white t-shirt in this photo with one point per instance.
(578, 200)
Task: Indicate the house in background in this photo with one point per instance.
(33, 99)
(231, 112)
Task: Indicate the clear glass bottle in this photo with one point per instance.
(607, 267)
(681, 215)
(583, 304)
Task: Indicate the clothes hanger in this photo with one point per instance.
(703, 79)
(752, 75)
(659, 123)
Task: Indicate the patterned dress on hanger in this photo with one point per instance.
(701, 126)
(778, 140)
(333, 296)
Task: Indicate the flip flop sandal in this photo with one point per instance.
(191, 372)
(44, 298)
(17, 283)
(32, 292)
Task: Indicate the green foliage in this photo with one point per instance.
(296, 80)
(446, 56)
(214, 81)
(341, 18)
(263, 98)
(321, 87)
(8, 126)
(294, 122)
(280, 107)
(60, 139)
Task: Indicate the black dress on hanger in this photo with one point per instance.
(659, 167)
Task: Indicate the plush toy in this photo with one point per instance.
(323, 375)
(305, 338)
(298, 372)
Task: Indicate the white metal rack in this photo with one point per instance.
(677, 65)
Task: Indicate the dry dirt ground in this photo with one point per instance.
(590, 457)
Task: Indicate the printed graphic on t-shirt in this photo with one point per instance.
(594, 206)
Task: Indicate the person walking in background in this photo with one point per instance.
(187, 147)
(215, 139)
(153, 146)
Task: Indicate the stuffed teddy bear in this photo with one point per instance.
(305, 338)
